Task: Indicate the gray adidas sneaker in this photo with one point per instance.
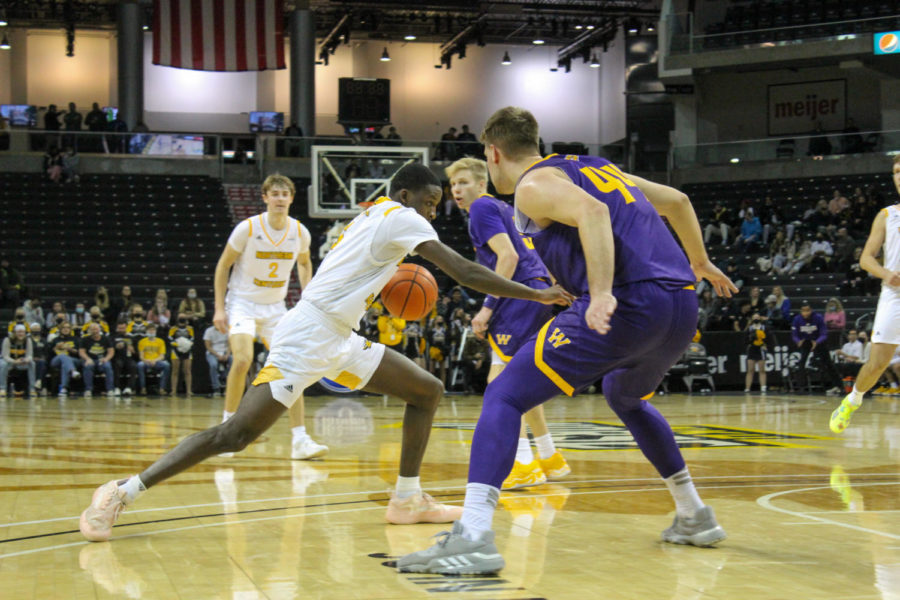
(455, 555)
(700, 530)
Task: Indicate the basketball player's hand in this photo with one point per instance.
(220, 321)
(894, 279)
(554, 295)
(719, 280)
(600, 311)
(480, 322)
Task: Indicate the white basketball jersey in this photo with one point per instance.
(262, 272)
(892, 238)
(364, 258)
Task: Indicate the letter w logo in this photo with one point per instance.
(558, 338)
(503, 339)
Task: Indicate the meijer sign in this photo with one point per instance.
(796, 108)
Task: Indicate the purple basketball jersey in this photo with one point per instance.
(489, 216)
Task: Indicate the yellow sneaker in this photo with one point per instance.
(840, 418)
(555, 467)
(523, 475)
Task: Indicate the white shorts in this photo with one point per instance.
(886, 329)
(495, 358)
(308, 346)
(250, 318)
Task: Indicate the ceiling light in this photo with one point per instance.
(537, 42)
(650, 28)
(594, 62)
(579, 27)
(409, 38)
(4, 44)
(735, 160)
(506, 60)
(385, 57)
(589, 27)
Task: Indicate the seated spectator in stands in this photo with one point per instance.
(193, 308)
(857, 281)
(771, 218)
(17, 353)
(160, 313)
(850, 355)
(137, 326)
(121, 306)
(799, 254)
(57, 323)
(721, 319)
(414, 343)
(751, 232)
(708, 305)
(811, 336)
(734, 273)
(778, 254)
(818, 217)
(821, 252)
(33, 310)
(52, 317)
(218, 357)
(838, 203)
(152, 356)
(95, 316)
(782, 303)
(819, 144)
(65, 356)
(80, 318)
(835, 318)
(70, 162)
(447, 148)
(18, 319)
(101, 299)
(458, 299)
(475, 363)
(124, 364)
(39, 345)
(53, 164)
(718, 224)
(181, 341)
(393, 137)
(773, 315)
(96, 354)
(756, 299)
(439, 348)
(844, 247)
(12, 284)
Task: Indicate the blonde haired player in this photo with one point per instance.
(508, 323)
(885, 235)
(260, 254)
(317, 339)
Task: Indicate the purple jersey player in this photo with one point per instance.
(508, 324)
(600, 232)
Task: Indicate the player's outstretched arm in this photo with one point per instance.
(477, 277)
(868, 260)
(675, 206)
(220, 285)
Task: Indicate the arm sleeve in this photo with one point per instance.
(485, 221)
(240, 234)
(400, 233)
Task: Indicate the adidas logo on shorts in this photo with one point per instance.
(289, 387)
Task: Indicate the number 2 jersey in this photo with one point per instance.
(645, 249)
(262, 272)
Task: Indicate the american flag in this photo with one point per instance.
(218, 35)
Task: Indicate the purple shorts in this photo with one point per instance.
(515, 321)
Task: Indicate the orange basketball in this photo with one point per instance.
(411, 293)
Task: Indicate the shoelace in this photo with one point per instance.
(443, 538)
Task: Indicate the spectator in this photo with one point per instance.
(835, 318)
(734, 273)
(72, 121)
(458, 299)
(50, 319)
(475, 363)
(101, 300)
(741, 319)
(96, 353)
(844, 247)
(193, 308)
(121, 306)
(393, 137)
(218, 357)
(758, 341)
(850, 355)
(821, 252)
(124, 365)
(851, 141)
(718, 224)
(467, 143)
(771, 218)
(96, 119)
(18, 319)
(798, 254)
(772, 314)
(65, 350)
(39, 345)
(51, 118)
(819, 144)
(447, 148)
(292, 145)
(838, 203)
(53, 164)
(756, 300)
(137, 326)
(70, 162)
(413, 342)
(12, 284)
(160, 313)
(152, 356)
(751, 232)
(17, 353)
(181, 340)
(439, 348)
(857, 281)
(33, 310)
(778, 254)
(369, 324)
(80, 317)
(709, 303)
(782, 303)
(811, 336)
(818, 217)
(95, 316)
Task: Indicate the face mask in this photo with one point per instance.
(95, 316)
(151, 336)
(138, 316)
(59, 320)
(192, 295)
(79, 310)
(20, 317)
(182, 321)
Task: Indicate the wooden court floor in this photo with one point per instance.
(809, 515)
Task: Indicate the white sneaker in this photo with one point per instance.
(117, 392)
(111, 394)
(87, 395)
(38, 384)
(307, 448)
(75, 374)
(126, 391)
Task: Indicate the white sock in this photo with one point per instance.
(478, 509)
(687, 501)
(407, 486)
(545, 446)
(226, 415)
(523, 453)
(298, 433)
(133, 488)
(856, 396)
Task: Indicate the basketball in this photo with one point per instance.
(411, 293)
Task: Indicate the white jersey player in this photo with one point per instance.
(261, 253)
(884, 236)
(317, 339)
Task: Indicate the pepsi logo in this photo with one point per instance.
(888, 43)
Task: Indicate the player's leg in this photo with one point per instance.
(242, 357)
(526, 470)
(257, 412)
(879, 359)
